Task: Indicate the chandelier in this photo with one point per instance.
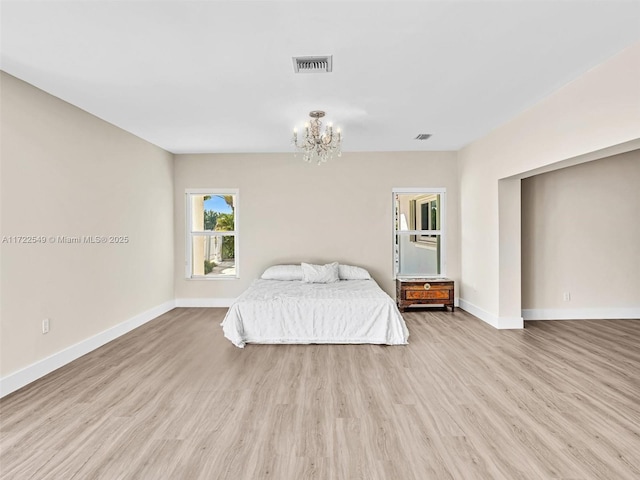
(315, 143)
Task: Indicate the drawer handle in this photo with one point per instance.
(427, 286)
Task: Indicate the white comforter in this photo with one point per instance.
(348, 311)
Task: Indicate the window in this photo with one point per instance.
(212, 234)
(419, 233)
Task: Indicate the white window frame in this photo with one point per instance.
(442, 231)
(189, 192)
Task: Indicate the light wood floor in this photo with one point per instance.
(175, 400)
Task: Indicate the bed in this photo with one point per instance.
(349, 309)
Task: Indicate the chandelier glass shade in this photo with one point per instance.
(316, 144)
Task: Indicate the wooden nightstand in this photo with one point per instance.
(424, 291)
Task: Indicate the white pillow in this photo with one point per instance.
(320, 273)
(283, 272)
(349, 272)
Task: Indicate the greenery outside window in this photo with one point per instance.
(212, 234)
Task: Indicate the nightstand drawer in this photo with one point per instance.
(440, 294)
(424, 291)
(426, 286)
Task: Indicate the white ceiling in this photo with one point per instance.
(205, 76)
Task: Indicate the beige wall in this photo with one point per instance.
(65, 172)
(292, 211)
(597, 111)
(581, 235)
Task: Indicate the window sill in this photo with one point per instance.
(208, 278)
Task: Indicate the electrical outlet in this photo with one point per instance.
(45, 326)
(566, 296)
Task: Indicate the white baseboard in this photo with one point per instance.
(501, 323)
(510, 323)
(204, 302)
(19, 379)
(581, 313)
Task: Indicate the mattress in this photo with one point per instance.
(348, 311)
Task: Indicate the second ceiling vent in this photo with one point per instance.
(423, 136)
(323, 64)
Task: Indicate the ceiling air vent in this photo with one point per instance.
(423, 136)
(313, 64)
